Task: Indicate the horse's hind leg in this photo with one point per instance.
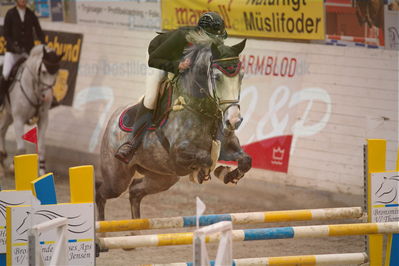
(149, 184)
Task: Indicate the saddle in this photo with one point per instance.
(14, 72)
(161, 112)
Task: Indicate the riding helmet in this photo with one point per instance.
(213, 24)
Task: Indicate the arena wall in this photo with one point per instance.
(329, 98)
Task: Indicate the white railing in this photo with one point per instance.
(59, 256)
(224, 252)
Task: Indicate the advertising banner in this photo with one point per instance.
(392, 26)
(11, 198)
(80, 232)
(69, 44)
(252, 18)
(128, 14)
(57, 10)
(356, 23)
(42, 9)
(384, 198)
(270, 128)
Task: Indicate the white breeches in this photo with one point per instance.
(9, 61)
(152, 81)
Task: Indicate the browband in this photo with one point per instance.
(226, 59)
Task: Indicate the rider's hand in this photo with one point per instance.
(183, 65)
(17, 49)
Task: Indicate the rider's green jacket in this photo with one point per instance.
(166, 49)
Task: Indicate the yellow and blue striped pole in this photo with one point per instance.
(128, 242)
(236, 218)
(325, 259)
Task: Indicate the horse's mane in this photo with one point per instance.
(35, 56)
(37, 50)
(200, 57)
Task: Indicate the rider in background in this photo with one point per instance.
(165, 54)
(19, 24)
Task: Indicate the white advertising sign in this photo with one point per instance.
(384, 197)
(130, 14)
(80, 231)
(11, 198)
(391, 28)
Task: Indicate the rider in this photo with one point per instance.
(19, 24)
(165, 53)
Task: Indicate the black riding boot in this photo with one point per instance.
(142, 122)
(3, 89)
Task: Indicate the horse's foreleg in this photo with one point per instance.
(231, 151)
(100, 202)
(150, 184)
(244, 164)
(5, 122)
(19, 132)
(42, 127)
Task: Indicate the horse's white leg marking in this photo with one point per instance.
(42, 127)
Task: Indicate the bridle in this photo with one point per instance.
(214, 64)
(39, 83)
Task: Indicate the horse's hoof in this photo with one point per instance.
(221, 172)
(233, 177)
(203, 176)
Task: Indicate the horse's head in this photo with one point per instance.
(44, 64)
(215, 73)
(227, 77)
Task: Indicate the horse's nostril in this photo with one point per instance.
(238, 124)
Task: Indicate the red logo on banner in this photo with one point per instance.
(270, 154)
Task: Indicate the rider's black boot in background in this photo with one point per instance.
(3, 89)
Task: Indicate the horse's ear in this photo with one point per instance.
(239, 47)
(215, 51)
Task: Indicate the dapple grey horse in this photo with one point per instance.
(195, 134)
(29, 96)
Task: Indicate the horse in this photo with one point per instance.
(370, 12)
(198, 130)
(29, 97)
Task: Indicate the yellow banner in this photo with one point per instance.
(290, 19)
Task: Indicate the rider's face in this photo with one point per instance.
(21, 3)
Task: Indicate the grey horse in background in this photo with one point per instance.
(196, 134)
(30, 96)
